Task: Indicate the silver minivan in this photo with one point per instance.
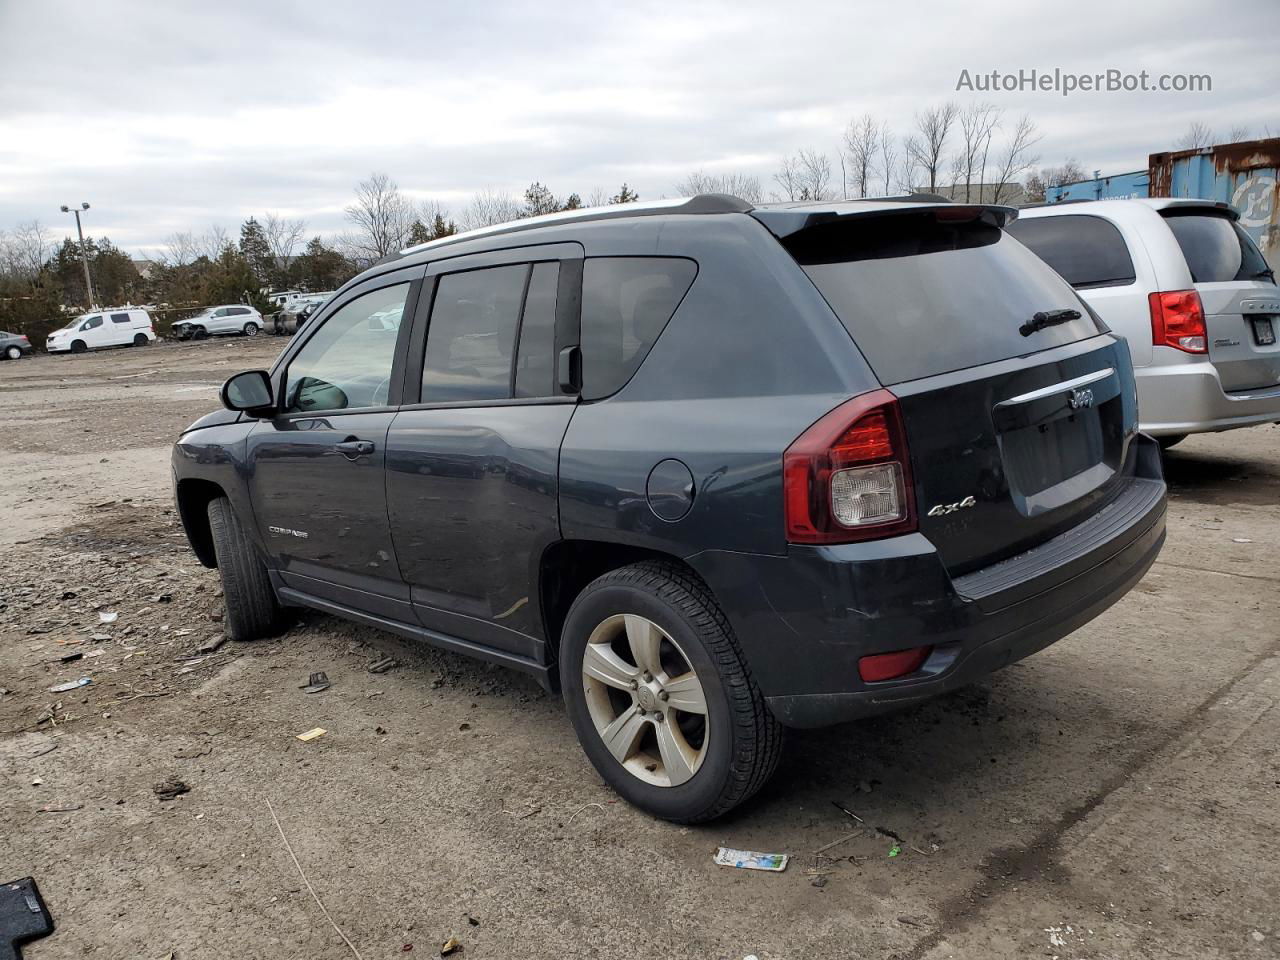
(1189, 290)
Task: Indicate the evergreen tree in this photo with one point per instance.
(441, 228)
(538, 200)
(419, 233)
(256, 252)
(573, 203)
(625, 195)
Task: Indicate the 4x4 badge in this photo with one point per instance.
(943, 509)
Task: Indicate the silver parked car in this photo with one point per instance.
(1189, 290)
(220, 321)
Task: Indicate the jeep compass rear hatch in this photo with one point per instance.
(1017, 410)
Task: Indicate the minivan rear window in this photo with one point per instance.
(1087, 251)
(1215, 247)
(922, 295)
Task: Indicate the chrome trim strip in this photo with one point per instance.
(1063, 387)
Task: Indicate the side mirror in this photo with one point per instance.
(249, 392)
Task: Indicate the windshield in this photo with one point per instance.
(1215, 247)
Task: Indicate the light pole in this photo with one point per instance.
(84, 257)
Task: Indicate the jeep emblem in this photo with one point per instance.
(1080, 399)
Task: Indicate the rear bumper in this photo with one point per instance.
(805, 620)
(1185, 398)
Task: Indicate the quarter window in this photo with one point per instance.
(347, 362)
(1087, 251)
(626, 303)
(472, 334)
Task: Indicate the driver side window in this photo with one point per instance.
(347, 362)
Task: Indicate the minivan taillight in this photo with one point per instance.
(1177, 320)
(848, 477)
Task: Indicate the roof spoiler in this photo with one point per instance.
(783, 222)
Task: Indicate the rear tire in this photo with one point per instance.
(13, 353)
(78, 347)
(730, 745)
(252, 609)
(139, 339)
(1170, 441)
(250, 329)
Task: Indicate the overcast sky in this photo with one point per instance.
(174, 116)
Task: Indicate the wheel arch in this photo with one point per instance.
(568, 566)
(194, 496)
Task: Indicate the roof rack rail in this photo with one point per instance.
(703, 203)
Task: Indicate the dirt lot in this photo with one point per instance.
(1115, 796)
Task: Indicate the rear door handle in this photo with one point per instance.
(353, 449)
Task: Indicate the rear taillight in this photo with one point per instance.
(1177, 320)
(848, 477)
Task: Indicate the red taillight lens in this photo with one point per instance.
(1177, 320)
(848, 477)
(887, 666)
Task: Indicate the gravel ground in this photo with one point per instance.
(1117, 795)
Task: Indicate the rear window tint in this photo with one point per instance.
(1087, 251)
(1215, 247)
(626, 303)
(922, 296)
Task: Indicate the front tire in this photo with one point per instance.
(252, 610)
(199, 333)
(79, 347)
(660, 695)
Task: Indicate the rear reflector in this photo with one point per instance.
(1177, 320)
(888, 666)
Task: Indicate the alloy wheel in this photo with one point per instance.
(645, 700)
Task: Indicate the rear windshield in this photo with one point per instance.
(923, 296)
(1087, 251)
(1215, 247)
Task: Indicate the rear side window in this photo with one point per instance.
(472, 334)
(119, 318)
(1215, 247)
(1087, 251)
(923, 296)
(626, 303)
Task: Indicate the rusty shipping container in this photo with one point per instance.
(1245, 175)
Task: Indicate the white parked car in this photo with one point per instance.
(219, 321)
(125, 327)
(1189, 290)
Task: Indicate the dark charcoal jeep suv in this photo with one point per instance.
(712, 470)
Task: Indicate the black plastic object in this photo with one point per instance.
(23, 917)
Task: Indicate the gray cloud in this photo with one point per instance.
(177, 116)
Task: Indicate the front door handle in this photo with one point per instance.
(353, 449)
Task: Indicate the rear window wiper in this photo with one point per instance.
(1047, 318)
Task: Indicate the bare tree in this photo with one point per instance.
(381, 215)
(978, 123)
(735, 184)
(213, 242)
(888, 160)
(179, 249)
(929, 142)
(24, 252)
(1237, 133)
(489, 207)
(806, 176)
(598, 197)
(1016, 158)
(1198, 135)
(1038, 181)
(861, 141)
(283, 237)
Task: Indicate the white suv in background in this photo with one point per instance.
(219, 321)
(1189, 290)
(124, 327)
